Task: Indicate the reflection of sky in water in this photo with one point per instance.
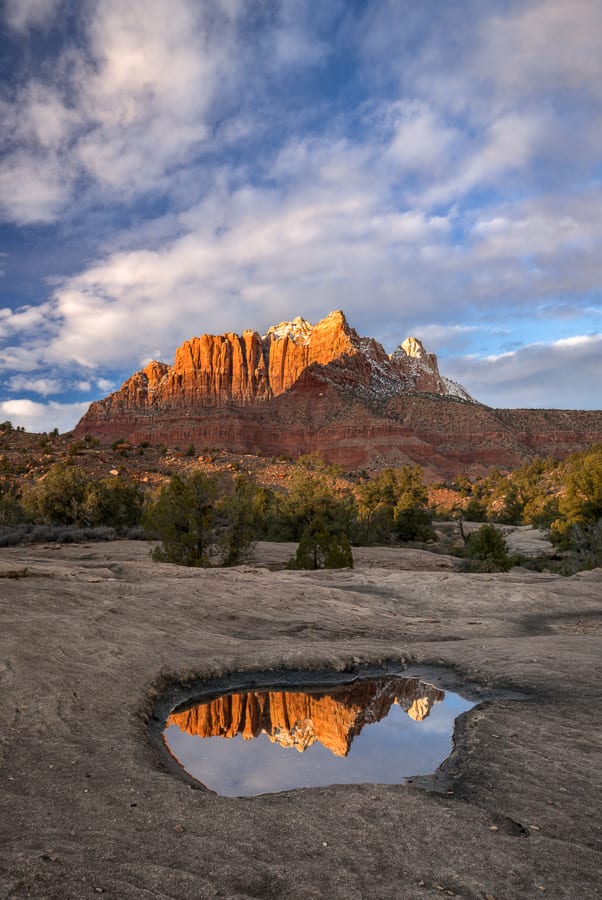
(385, 752)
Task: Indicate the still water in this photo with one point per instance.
(383, 731)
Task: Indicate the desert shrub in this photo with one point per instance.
(581, 502)
(11, 510)
(311, 496)
(414, 523)
(28, 533)
(6, 467)
(393, 507)
(197, 526)
(114, 502)
(475, 510)
(487, 551)
(320, 548)
(584, 543)
(68, 496)
(12, 536)
(241, 517)
(182, 519)
(58, 498)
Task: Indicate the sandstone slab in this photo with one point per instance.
(88, 806)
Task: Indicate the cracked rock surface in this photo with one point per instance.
(90, 636)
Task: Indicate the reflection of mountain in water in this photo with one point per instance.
(296, 719)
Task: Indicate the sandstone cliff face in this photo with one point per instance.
(296, 719)
(217, 370)
(321, 388)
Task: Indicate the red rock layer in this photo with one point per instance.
(296, 719)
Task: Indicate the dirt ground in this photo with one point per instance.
(91, 635)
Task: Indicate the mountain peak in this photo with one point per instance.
(413, 347)
(231, 371)
(300, 330)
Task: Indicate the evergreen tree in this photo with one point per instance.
(488, 551)
(58, 498)
(393, 506)
(182, 519)
(115, 502)
(320, 548)
(241, 513)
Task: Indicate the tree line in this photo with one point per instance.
(202, 520)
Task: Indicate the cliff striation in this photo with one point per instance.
(296, 719)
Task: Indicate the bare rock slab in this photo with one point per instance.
(87, 806)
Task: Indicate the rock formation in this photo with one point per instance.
(296, 719)
(303, 388)
(217, 370)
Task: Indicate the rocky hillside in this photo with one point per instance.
(303, 388)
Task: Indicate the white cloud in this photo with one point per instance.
(37, 116)
(544, 227)
(20, 359)
(246, 257)
(38, 417)
(140, 91)
(21, 15)
(24, 320)
(552, 44)
(33, 188)
(508, 146)
(563, 374)
(421, 138)
(452, 337)
(42, 386)
(154, 77)
(372, 213)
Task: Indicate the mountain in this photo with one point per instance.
(296, 719)
(231, 369)
(302, 388)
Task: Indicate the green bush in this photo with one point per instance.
(58, 498)
(413, 523)
(11, 511)
(182, 519)
(241, 516)
(584, 542)
(197, 527)
(393, 507)
(487, 551)
(581, 502)
(68, 496)
(320, 548)
(113, 502)
(310, 496)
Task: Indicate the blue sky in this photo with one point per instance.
(174, 167)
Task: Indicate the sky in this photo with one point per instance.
(170, 168)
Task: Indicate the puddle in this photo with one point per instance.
(382, 730)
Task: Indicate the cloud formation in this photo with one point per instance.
(538, 375)
(22, 15)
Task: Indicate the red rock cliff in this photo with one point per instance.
(302, 388)
(218, 370)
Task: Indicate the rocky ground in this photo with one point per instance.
(91, 635)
